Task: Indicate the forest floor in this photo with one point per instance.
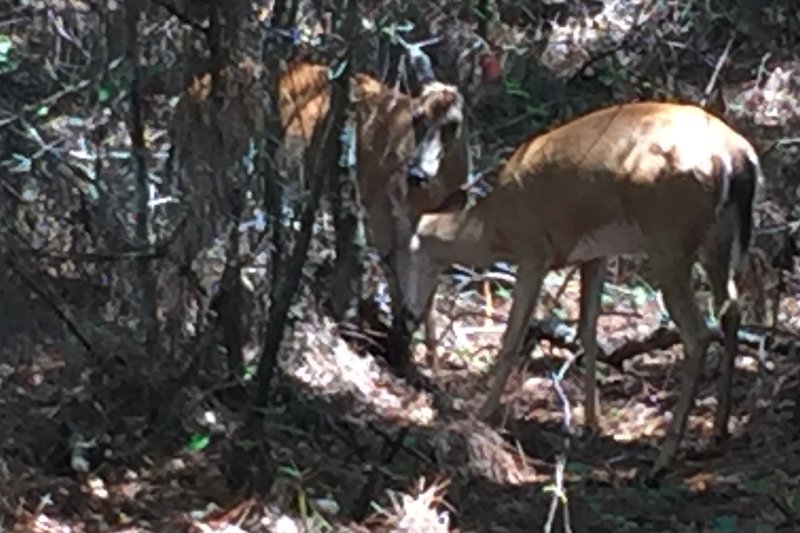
(160, 476)
(118, 441)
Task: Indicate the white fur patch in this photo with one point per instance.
(727, 171)
(431, 156)
(414, 244)
(753, 158)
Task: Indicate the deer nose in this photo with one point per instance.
(417, 177)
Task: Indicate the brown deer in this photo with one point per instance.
(667, 180)
(388, 124)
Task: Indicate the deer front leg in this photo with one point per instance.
(530, 275)
(593, 275)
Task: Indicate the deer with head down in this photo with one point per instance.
(388, 125)
(667, 180)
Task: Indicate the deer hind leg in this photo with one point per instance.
(673, 272)
(723, 286)
(530, 275)
(593, 275)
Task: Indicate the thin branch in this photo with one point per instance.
(717, 68)
(183, 17)
(621, 45)
(140, 152)
(62, 313)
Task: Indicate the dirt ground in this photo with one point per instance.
(110, 439)
(188, 463)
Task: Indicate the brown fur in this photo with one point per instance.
(385, 140)
(385, 143)
(668, 180)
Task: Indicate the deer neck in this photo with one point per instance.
(460, 235)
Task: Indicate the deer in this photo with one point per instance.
(667, 180)
(388, 124)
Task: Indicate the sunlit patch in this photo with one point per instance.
(701, 481)
(328, 367)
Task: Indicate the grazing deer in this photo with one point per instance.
(667, 180)
(388, 124)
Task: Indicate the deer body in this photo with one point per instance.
(667, 180)
(387, 125)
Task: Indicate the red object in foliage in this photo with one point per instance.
(490, 67)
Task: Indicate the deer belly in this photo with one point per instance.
(617, 238)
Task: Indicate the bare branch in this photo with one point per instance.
(48, 299)
(420, 61)
(720, 62)
(183, 17)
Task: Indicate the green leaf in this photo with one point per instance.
(8, 59)
(503, 293)
(198, 442)
(725, 524)
(764, 527)
(103, 94)
(335, 73)
(607, 300)
(5, 45)
(518, 92)
(759, 485)
(794, 500)
(42, 111)
(579, 469)
(640, 295)
(290, 471)
(249, 372)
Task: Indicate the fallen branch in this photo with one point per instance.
(663, 338)
(660, 339)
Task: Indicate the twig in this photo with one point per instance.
(398, 443)
(661, 339)
(46, 102)
(92, 257)
(392, 447)
(633, 31)
(183, 17)
(557, 487)
(787, 512)
(559, 495)
(147, 296)
(714, 75)
(785, 141)
(63, 314)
